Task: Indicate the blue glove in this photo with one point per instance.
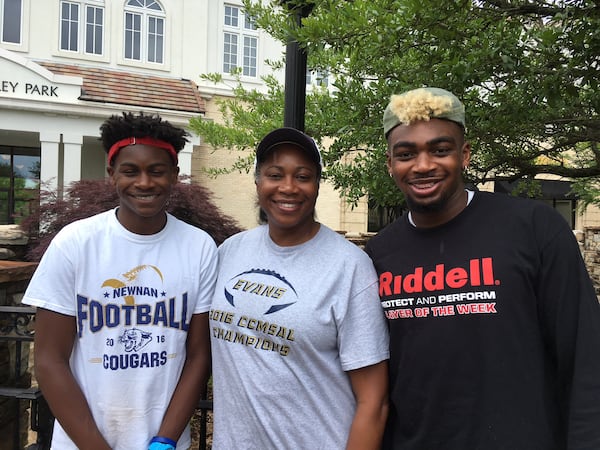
(162, 443)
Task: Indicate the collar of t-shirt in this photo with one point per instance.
(470, 195)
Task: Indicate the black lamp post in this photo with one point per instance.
(295, 69)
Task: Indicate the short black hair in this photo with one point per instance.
(127, 125)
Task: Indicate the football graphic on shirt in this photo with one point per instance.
(265, 288)
(131, 277)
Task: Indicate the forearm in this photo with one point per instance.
(191, 385)
(69, 406)
(370, 386)
(54, 338)
(192, 381)
(367, 427)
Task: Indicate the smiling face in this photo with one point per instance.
(287, 186)
(143, 176)
(426, 159)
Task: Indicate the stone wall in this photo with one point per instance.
(591, 255)
(12, 243)
(14, 278)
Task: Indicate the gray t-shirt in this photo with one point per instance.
(286, 323)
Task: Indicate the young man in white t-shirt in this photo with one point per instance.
(122, 348)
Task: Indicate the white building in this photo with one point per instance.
(66, 65)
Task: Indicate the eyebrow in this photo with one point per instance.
(132, 164)
(281, 167)
(437, 140)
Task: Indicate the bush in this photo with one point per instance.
(189, 202)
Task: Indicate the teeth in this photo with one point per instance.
(423, 185)
(145, 197)
(287, 205)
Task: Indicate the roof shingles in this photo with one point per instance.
(112, 86)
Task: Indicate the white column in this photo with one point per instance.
(72, 158)
(185, 159)
(49, 160)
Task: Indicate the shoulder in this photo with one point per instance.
(190, 239)
(390, 233)
(183, 227)
(84, 228)
(514, 218)
(509, 206)
(331, 242)
(244, 238)
(331, 237)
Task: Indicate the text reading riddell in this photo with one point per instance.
(421, 284)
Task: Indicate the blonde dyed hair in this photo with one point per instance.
(419, 104)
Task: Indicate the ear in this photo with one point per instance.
(110, 170)
(256, 178)
(175, 175)
(388, 162)
(466, 154)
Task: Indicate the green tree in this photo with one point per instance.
(526, 70)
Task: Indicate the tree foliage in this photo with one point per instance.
(526, 70)
(189, 202)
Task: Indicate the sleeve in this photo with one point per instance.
(363, 333)
(207, 277)
(570, 312)
(52, 285)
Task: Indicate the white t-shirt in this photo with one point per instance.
(132, 297)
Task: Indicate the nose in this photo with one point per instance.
(143, 180)
(288, 185)
(423, 162)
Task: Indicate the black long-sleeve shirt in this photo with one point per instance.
(494, 331)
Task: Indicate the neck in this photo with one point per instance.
(431, 219)
(285, 238)
(142, 225)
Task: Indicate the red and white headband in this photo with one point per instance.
(114, 149)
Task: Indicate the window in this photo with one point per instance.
(144, 31)
(11, 15)
(94, 27)
(19, 182)
(556, 193)
(382, 216)
(77, 34)
(69, 26)
(566, 208)
(240, 42)
(317, 77)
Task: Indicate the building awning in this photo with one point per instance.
(133, 89)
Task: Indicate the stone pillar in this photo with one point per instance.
(72, 158)
(185, 159)
(49, 163)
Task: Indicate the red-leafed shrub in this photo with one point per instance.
(189, 202)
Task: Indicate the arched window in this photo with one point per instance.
(82, 26)
(144, 31)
